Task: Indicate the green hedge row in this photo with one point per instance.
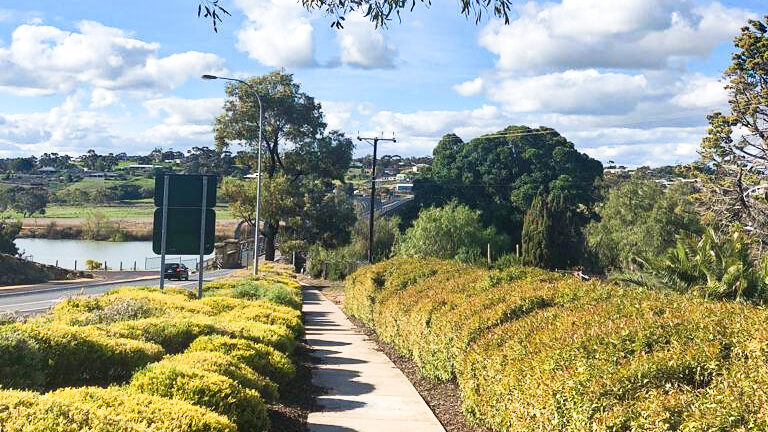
(219, 355)
(536, 351)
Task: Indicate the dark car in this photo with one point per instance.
(176, 271)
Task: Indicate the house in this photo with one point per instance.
(404, 187)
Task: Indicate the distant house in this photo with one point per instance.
(404, 187)
(403, 177)
(356, 165)
(99, 174)
(47, 170)
(419, 167)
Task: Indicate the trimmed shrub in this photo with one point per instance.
(223, 395)
(269, 313)
(261, 358)
(278, 293)
(228, 366)
(173, 334)
(533, 350)
(22, 364)
(84, 355)
(92, 409)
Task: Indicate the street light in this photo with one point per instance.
(258, 188)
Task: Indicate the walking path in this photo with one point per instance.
(364, 390)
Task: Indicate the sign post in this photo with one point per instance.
(164, 231)
(202, 238)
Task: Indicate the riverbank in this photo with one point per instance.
(116, 229)
(16, 271)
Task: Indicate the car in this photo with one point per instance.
(176, 271)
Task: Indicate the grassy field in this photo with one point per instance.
(133, 210)
(91, 184)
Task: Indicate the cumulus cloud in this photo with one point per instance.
(364, 46)
(186, 122)
(46, 60)
(628, 34)
(277, 33)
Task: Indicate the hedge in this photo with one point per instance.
(243, 406)
(533, 350)
(261, 358)
(229, 367)
(43, 355)
(92, 409)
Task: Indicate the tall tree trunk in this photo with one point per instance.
(270, 234)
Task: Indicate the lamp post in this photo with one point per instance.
(258, 187)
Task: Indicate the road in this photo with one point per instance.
(35, 301)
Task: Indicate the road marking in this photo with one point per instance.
(30, 303)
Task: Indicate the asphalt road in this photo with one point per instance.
(39, 300)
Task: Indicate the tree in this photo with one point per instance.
(733, 166)
(23, 165)
(537, 228)
(8, 232)
(379, 12)
(447, 232)
(204, 160)
(96, 162)
(500, 174)
(25, 200)
(298, 151)
(640, 218)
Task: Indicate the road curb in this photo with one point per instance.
(12, 292)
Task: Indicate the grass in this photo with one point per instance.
(139, 209)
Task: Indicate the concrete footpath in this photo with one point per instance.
(364, 390)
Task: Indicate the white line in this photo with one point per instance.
(29, 303)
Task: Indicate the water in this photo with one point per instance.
(48, 251)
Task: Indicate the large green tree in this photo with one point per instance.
(640, 218)
(734, 155)
(501, 173)
(25, 200)
(551, 233)
(301, 161)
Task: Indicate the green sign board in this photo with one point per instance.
(185, 190)
(183, 231)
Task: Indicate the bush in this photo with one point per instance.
(22, 365)
(533, 350)
(263, 290)
(227, 366)
(268, 313)
(104, 410)
(261, 358)
(243, 406)
(173, 334)
(80, 355)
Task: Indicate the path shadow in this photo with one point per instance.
(339, 404)
(331, 428)
(343, 383)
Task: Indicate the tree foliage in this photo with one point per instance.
(639, 217)
(713, 266)
(551, 233)
(9, 229)
(379, 12)
(500, 174)
(451, 231)
(300, 165)
(25, 200)
(734, 155)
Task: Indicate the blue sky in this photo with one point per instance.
(629, 81)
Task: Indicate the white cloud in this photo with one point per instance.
(364, 46)
(702, 92)
(632, 34)
(277, 33)
(470, 88)
(47, 60)
(180, 111)
(338, 114)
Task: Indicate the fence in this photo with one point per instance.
(153, 263)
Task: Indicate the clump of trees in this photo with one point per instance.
(9, 230)
(25, 200)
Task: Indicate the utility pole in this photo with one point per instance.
(375, 142)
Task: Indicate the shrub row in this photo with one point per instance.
(229, 355)
(92, 409)
(533, 350)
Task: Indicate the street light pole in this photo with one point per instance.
(258, 172)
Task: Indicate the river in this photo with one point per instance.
(66, 252)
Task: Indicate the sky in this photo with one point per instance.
(626, 81)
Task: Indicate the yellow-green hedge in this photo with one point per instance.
(92, 409)
(228, 366)
(537, 351)
(58, 355)
(261, 358)
(245, 407)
